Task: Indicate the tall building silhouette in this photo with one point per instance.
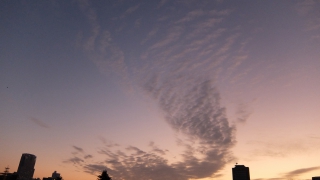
(26, 166)
(240, 172)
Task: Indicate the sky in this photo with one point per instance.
(161, 89)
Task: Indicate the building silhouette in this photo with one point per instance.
(55, 176)
(240, 172)
(6, 175)
(316, 178)
(26, 166)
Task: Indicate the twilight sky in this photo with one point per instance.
(161, 89)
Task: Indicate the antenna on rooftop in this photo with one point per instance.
(7, 170)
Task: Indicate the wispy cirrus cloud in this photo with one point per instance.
(78, 149)
(99, 45)
(157, 149)
(39, 122)
(310, 11)
(129, 11)
(270, 178)
(191, 16)
(277, 148)
(294, 174)
(243, 113)
(75, 160)
(298, 172)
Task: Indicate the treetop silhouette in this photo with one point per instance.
(104, 176)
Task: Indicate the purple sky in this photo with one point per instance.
(176, 90)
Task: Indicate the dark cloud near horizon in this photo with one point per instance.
(39, 122)
(196, 114)
(269, 179)
(292, 174)
(301, 171)
(93, 168)
(135, 164)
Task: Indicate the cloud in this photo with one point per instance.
(132, 9)
(269, 179)
(277, 148)
(139, 165)
(297, 172)
(305, 7)
(136, 150)
(88, 156)
(242, 113)
(192, 110)
(196, 113)
(157, 149)
(200, 47)
(39, 122)
(135, 163)
(191, 16)
(78, 149)
(93, 168)
(310, 11)
(100, 47)
(150, 34)
(173, 35)
(292, 174)
(74, 160)
(108, 143)
(161, 3)
(181, 58)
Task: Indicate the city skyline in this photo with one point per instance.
(177, 89)
(239, 172)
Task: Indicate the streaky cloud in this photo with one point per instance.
(301, 171)
(88, 156)
(243, 113)
(74, 160)
(78, 149)
(39, 122)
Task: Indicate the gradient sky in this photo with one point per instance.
(161, 89)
